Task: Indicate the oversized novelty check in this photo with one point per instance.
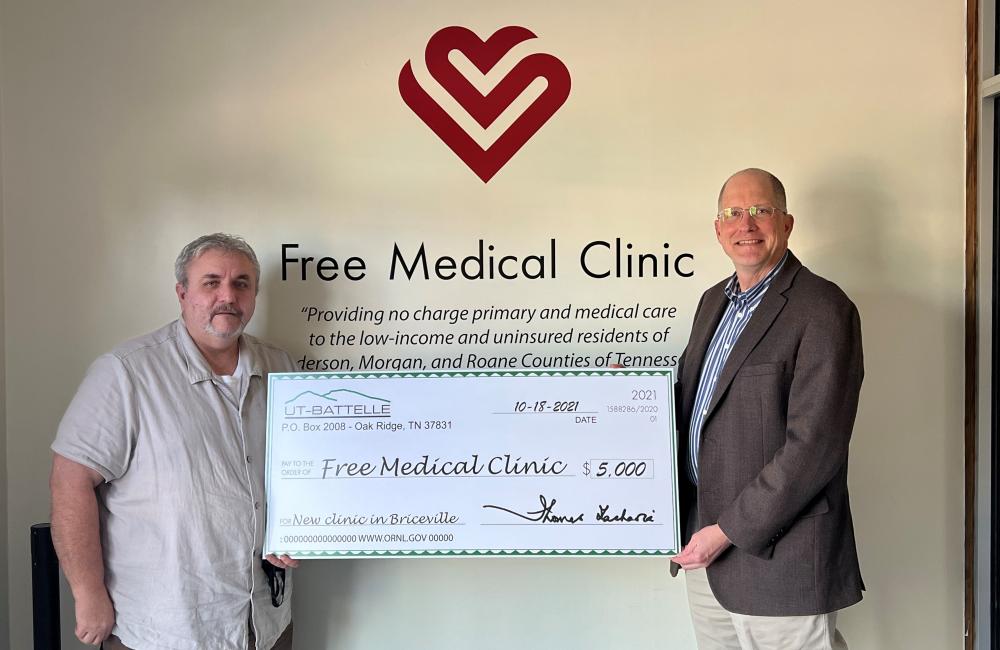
(471, 463)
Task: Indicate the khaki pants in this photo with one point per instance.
(284, 642)
(717, 629)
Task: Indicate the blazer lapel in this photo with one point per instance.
(702, 332)
(770, 306)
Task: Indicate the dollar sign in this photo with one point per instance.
(586, 469)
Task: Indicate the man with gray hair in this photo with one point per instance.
(158, 477)
(769, 386)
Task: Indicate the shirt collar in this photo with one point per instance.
(732, 288)
(198, 368)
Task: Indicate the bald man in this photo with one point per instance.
(769, 387)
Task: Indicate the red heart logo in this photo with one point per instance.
(485, 109)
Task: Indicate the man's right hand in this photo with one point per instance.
(95, 616)
(76, 536)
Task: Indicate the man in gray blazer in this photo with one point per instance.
(768, 392)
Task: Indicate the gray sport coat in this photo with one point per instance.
(773, 457)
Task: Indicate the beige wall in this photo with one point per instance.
(4, 582)
(129, 128)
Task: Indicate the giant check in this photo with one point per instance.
(472, 463)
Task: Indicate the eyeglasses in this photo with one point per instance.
(761, 212)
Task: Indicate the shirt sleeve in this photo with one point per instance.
(98, 429)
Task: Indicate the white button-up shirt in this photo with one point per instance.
(181, 512)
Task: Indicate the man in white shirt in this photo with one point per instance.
(157, 475)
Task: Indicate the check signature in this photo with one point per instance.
(544, 515)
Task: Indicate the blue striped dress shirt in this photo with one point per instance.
(741, 306)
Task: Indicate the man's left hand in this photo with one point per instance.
(705, 545)
(282, 562)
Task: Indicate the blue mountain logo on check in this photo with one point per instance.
(337, 403)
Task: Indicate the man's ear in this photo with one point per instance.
(181, 291)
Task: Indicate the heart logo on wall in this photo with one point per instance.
(485, 109)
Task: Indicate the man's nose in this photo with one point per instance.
(226, 293)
